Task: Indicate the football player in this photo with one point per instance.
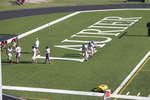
(18, 53)
(47, 55)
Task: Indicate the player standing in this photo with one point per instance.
(14, 44)
(85, 52)
(90, 49)
(34, 54)
(37, 44)
(94, 46)
(83, 49)
(47, 55)
(18, 54)
(9, 53)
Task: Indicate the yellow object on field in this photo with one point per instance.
(102, 87)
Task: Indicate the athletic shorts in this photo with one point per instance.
(48, 56)
(18, 55)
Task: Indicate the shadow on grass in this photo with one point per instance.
(137, 35)
(131, 35)
(26, 52)
(21, 62)
(30, 62)
(25, 62)
(96, 90)
(72, 55)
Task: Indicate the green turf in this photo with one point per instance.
(21, 25)
(140, 83)
(110, 65)
(11, 5)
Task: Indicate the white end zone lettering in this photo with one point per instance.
(106, 27)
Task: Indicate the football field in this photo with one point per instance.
(121, 39)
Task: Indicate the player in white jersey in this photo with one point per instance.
(18, 54)
(37, 44)
(85, 52)
(9, 53)
(93, 45)
(34, 54)
(47, 55)
(90, 49)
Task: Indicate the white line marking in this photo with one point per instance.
(87, 36)
(139, 94)
(125, 81)
(71, 92)
(127, 93)
(52, 91)
(59, 58)
(47, 25)
(43, 26)
(114, 10)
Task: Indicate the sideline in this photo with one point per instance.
(126, 80)
(72, 92)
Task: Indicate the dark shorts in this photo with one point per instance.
(48, 56)
(18, 55)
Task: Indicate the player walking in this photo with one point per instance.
(18, 54)
(47, 55)
(34, 54)
(9, 53)
(85, 52)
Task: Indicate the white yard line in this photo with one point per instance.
(139, 94)
(72, 92)
(127, 93)
(59, 58)
(47, 25)
(52, 91)
(115, 9)
(125, 81)
(43, 26)
(130, 97)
